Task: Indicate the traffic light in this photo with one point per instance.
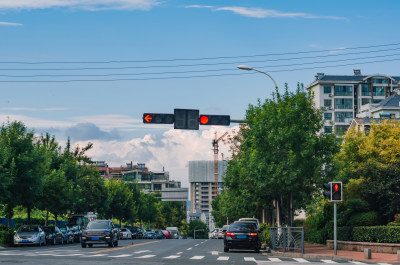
(327, 193)
(215, 120)
(186, 119)
(161, 118)
(336, 191)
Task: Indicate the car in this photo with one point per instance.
(224, 228)
(100, 232)
(174, 232)
(166, 233)
(29, 235)
(68, 234)
(76, 231)
(150, 234)
(159, 234)
(242, 235)
(254, 220)
(53, 235)
(125, 233)
(215, 233)
(140, 233)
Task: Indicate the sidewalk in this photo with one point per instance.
(316, 251)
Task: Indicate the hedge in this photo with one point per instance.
(6, 235)
(378, 234)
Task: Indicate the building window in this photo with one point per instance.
(204, 192)
(328, 116)
(327, 89)
(327, 103)
(343, 90)
(366, 90)
(343, 103)
(381, 81)
(341, 129)
(379, 91)
(376, 101)
(204, 197)
(327, 129)
(343, 116)
(365, 101)
(157, 187)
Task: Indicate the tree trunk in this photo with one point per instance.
(55, 219)
(278, 212)
(9, 215)
(120, 223)
(47, 217)
(29, 215)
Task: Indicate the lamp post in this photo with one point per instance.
(248, 68)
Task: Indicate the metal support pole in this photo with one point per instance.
(335, 227)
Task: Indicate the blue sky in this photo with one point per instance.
(137, 56)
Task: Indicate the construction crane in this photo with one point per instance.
(215, 148)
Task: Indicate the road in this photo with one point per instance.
(148, 252)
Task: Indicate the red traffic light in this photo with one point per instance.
(204, 119)
(336, 187)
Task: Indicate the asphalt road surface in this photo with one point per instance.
(147, 252)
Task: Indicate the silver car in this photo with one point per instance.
(30, 235)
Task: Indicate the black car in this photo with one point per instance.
(53, 235)
(100, 232)
(242, 235)
(77, 231)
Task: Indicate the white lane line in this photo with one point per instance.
(96, 255)
(357, 262)
(172, 257)
(328, 261)
(145, 256)
(300, 260)
(189, 249)
(275, 259)
(214, 252)
(66, 255)
(9, 254)
(223, 258)
(201, 242)
(197, 257)
(382, 263)
(179, 253)
(141, 251)
(249, 259)
(121, 256)
(196, 245)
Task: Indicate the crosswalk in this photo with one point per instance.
(146, 254)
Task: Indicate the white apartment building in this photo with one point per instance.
(345, 97)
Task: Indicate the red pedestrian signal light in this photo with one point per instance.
(337, 191)
(215, 120)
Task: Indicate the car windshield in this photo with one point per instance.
(98, 225)
(25, 229)
(242, 227)
(48, 229)
(75, 228)
(123, 230)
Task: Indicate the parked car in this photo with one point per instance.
(174, 232)
(242, 235)
(150, 234)
(125, 233)
(159, 234)
(77, 232)
(68, 234)
(140, 233)
(53, 235)
(29, 235)
(100, 232)
(166, 233)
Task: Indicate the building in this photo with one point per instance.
(345, 97)
(202, 184)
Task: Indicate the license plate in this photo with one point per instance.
(241, 236)
(25, 241)
(95, 238)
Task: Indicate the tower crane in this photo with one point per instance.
(215, 148)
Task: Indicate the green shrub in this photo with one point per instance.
(396, 221)
(345, 233)
(378, 234)
(265, 233)
(6, 236)
(363, 219)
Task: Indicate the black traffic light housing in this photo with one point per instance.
(215, 119)
(160, 118)
(327, 190)
(186, 119)
(333, 191)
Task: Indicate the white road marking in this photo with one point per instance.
(66, 255)
(189, 249)
(275, 259)
(179, 253)
(146, 256)
(121, 256)
(300, 260)
(197, 257)
(328, 261)
(172, 257)
(249, 259)
(223, 258)
(141, 251)
(196, 245)
(214, 252)
(383, 263)
(96, 255)
(357, 262)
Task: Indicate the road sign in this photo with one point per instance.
(160, 118)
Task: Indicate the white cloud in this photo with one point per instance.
(172, 150)
(10, 24)
(265, 13)
(91, 5)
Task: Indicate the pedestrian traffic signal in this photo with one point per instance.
(336, 191)
(186, 119)
(215, 120)
(327, 193)
(161, 118)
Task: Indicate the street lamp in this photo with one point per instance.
(248, 68)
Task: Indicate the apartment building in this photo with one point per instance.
(345, 97)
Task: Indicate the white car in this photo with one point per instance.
(125, 233)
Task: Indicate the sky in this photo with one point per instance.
(89, 69)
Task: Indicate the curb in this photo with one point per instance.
(307, 256)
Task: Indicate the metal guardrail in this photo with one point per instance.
(287, 238)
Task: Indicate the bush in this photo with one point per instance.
(265, 234)
(345, 233)
(6, 236)
(378, 234)
(363, 219)
(396, 221)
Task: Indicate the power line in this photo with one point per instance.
(198, 59)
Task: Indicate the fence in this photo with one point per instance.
(287, 238)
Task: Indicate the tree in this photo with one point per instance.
(198, 226)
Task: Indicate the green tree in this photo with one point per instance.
(198, 225)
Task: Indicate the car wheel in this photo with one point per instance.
(110, 244)
(257, 250)
(90, 245)
(62, 241)
(226, 249)
(83, 245)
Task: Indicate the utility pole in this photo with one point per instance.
(215, 148)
